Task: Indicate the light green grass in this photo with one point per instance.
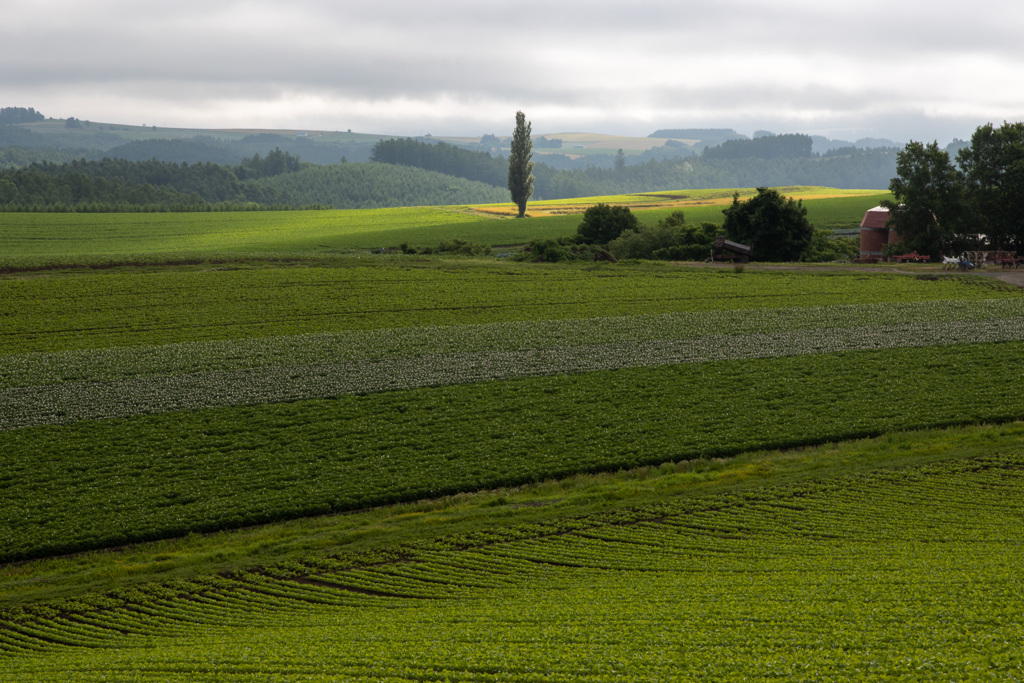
(391, 527)
(38, 240)
(242, 232)
(907, 569)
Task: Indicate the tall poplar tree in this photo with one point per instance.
(520, 166)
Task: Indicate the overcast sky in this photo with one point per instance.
(900, 69)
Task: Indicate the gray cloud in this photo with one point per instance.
(396, 66)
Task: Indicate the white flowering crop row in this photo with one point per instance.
(87, 385)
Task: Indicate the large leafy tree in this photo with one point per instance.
(520, 166)
(602, 223)
(775, 227)
(927, 210)
(993, 172)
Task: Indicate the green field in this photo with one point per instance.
(30, 240)
(909, 573)
(355, 467)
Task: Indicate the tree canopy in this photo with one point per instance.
(993, 181)
(603, 223)
(776, 228)
(791, 146)
(928, 200)
(19, 115)
(520, 166)
(939, 207)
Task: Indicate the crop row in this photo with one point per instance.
(156, 476)
(924, 585)
(118, 363)
(377, 361)
(133, 309)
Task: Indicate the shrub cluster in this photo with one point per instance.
(614, 233)
(455, 247)
(563, 249)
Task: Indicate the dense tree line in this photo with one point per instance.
(116, 182)
(443, 158)
(199, 148)
(851, 168)
(793, 146)
(942, 208)
(37, 189)
(708, 136)
(21, 146)
(20, 157)
(19, 115)
(373, 185)
(278, 180)
(861, 169)
(459, 176)
(193, 150)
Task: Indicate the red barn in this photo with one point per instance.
(874, 234)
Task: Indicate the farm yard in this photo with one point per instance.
(254, 457)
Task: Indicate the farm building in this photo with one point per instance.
(874, 234)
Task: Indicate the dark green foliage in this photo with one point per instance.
(455, 246)
(777, 228)
(562, 249)
(942, 209)
(927, 210)
(443, 158)
(275, 163)
(768, 147)
(825, 247)
(114, 183)
(278, 180)
(19, 115)
(205, 148)
(620, 162)
(194, 150)
(993, 171)
(520, 166)
(670, 240)
(548, 143)
(371, 185)
(603, 223)
(858, 169)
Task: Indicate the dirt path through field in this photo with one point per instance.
(1013, 277)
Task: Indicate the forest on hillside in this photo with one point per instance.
(435, 174)
(278, 181)
(42, 169)
(776, 161)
